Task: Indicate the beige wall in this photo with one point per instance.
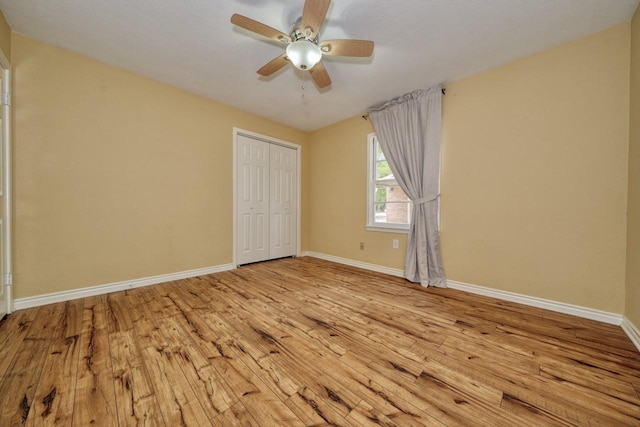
(338, 185)
(118, 177)
(534, 182)
(5, 37)
(632, 309)
(534, 177)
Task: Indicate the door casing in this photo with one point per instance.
(276, 141)
(6, 269)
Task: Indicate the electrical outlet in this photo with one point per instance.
(395, 243)
(362, 246)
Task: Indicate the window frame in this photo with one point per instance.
(371, 224)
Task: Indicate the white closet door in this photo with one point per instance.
(252, 200)
(283, 204)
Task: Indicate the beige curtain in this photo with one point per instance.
(408, 129)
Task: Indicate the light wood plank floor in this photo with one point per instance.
(306, 342)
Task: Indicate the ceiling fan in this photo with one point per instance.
(304, 50)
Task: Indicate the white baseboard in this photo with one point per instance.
(602, 316)
(354, 263)
(575, 310)
(632, 332)
(560, 307)
(39, 300)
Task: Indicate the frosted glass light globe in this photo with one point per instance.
(303, 54)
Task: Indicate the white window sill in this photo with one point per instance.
(388, 228)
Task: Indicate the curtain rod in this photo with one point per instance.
(366, 115)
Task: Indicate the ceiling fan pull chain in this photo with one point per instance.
(304, 77)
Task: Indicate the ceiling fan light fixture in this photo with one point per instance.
(303, 54)
(304, 50)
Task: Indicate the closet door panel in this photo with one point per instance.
(252, 200)
(283, 205)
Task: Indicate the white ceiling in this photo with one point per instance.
(191, 44)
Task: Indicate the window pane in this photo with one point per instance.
(382, 169)
(381, 193)
(392, 212)
(389, 205)
(390, 192)
(382, 166)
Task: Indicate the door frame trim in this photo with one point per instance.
(7, 248)
(271, 140)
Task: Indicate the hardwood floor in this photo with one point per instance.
(307, 342)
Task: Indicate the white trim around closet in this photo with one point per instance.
(271, 140)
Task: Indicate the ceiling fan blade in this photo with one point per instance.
(259, 28)
(348, 47)
(320, 76)
(313, 16)
(273, 65)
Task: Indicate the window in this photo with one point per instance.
(388, 208)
